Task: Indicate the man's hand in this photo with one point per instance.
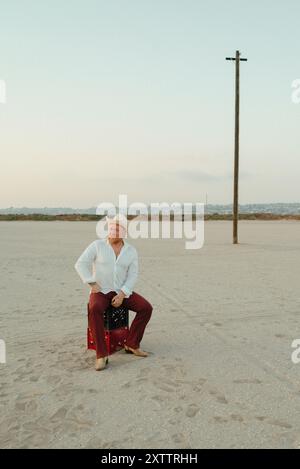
(95, 288)
(118, 299)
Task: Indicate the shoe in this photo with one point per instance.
(101, 363)
(136, 351)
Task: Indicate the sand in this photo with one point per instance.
(219, 373)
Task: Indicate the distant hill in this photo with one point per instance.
(88, 217)
(275, 209)
(47, 210)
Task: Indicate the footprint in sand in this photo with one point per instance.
(160, 398)
(220, 419)
(247, 381)
(164, 387)
(237, 417)
(192, 410)
(219, 397)
(54, 379)
(280, 423)
(198, 387)
(94, 443)
(59, 414)
(181, 440)
(34, 379)
(178, 409)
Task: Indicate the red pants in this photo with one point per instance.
(98, 303)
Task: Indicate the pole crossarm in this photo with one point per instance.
(233, 58)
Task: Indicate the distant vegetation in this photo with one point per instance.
(89, 217)
(42, 217)
(252, 216)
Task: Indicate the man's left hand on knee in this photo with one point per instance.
(118, 299)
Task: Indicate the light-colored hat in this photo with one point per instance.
(119, 219)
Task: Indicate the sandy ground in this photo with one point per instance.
(219, 374)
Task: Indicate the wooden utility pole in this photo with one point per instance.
(237, 59)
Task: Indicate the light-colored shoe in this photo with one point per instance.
(101, 363)
(136, 351)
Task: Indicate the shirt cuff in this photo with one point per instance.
(89, 280)
(126, 291)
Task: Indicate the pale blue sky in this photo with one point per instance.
(135, 97)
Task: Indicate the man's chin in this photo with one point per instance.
(115, 240)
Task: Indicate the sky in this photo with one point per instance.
(135, 97)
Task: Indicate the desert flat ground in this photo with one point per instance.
(219, 373)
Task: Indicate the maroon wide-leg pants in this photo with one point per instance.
(98, 303)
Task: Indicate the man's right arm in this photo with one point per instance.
(84, 264)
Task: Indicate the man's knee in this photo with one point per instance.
(96, 307)
(147, 307)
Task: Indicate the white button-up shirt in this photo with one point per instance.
(98, 263)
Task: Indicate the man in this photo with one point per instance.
(110, 267)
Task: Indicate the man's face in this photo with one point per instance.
(115, 231)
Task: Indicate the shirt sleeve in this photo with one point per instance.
(84, 264)
(132, 275)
